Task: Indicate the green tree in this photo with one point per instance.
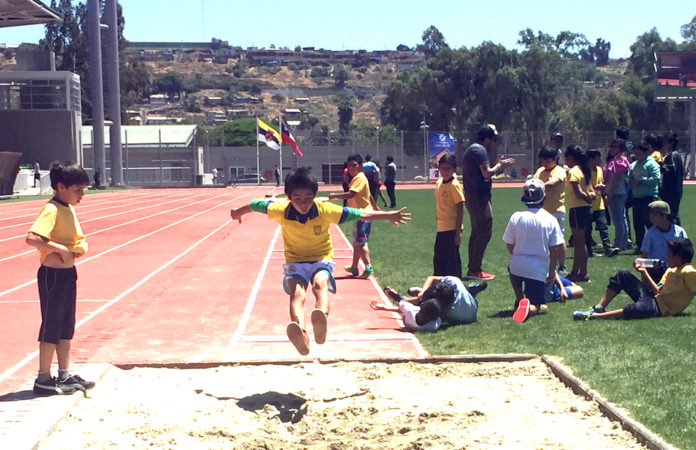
(235, 133)
(170, 83)
(345, 114)
(340, 76)
(642, 59)
(688, 31)
(433, 41)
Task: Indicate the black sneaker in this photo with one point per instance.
(78, 383)
(475, 288)
(52, 387)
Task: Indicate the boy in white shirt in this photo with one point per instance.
(535, 243)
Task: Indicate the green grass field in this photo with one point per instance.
(644, 366)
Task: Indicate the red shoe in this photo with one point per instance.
(522, 311)
(482, 275)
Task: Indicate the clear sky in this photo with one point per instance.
(379, 25)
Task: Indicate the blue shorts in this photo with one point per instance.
(361, 232)
(304, 272)
(553, 294)
(534, 290)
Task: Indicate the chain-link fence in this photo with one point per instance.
(186, 166)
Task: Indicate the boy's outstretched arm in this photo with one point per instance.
(237, 213)
(397, 217)
(647, 279)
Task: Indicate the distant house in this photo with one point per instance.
(158, 99)
(212, 101)
(302, 100)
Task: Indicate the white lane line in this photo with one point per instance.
(118, 214)
(273, 338)
(250, 301)
(414, 340)
(9, 372)
(118, 225)
(126, 243)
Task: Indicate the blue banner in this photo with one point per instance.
(438, 144)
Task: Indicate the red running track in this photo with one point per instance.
(169, 279)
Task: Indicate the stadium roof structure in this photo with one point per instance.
(14, 13)
(147, 135)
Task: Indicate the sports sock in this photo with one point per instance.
(63, 374)
(43, 377)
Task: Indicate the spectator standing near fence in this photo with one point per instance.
(37, 173)
(390, 180)
(616, 190)
(644, 179)
(672, 185)
(476, 178)
(599, 215)
(554, 177)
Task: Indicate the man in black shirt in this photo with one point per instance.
(476, 180)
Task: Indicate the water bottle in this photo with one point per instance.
(648, 262)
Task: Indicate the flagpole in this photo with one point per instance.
(258, 166)
(280, 150)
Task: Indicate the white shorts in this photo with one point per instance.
(305, 271)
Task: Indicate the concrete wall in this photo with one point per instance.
(44, 136)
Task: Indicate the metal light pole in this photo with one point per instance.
(328, 140)
(377, 143)
(424, 126)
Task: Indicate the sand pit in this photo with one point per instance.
(338, 406)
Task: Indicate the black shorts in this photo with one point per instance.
(580, 217)
(57, 295)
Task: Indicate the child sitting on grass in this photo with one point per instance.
(671, 296)
(305, 223)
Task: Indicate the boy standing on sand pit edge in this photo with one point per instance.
(57, 235)
(305, 223)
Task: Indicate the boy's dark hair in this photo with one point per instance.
(301, 178)
(681, 247)
(654, 141)
(67, 172)
(486, 132)
(443, 292)
(355, 157)
(672, 138)
(642, 147)
(430, 310)
(578, 154)
(448, 158)
(557, 137)
(594, 154)
(547, 152)
(623, 133)
(390, 159)
(368, 157)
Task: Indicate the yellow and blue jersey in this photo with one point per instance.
(306, 236)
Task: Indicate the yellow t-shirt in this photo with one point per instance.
(447, 197)
(678, 288)
(555, 195)
(597, 178)
(309, 241)
(657, 156)
(575, 175)
(57, 222)
(361, 188)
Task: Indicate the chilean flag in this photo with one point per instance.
(287, 138)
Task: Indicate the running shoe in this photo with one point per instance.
(522, 311)
(392, 294)
(52, 387)
(78, 382)
(482, 275)
(353, 270)
(583, 315)
(368, 271)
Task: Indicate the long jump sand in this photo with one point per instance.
(339, 406)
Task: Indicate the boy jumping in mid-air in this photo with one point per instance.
(305, 223)
(57, 235)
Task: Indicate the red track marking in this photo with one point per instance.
(171, 284)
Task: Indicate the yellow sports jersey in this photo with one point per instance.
(361, 188)
(657, 156)
(575, 175)
(597, 178)
(678, 288)
(306, 237)
(57, 222)
(555, 195)
(447, 196)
